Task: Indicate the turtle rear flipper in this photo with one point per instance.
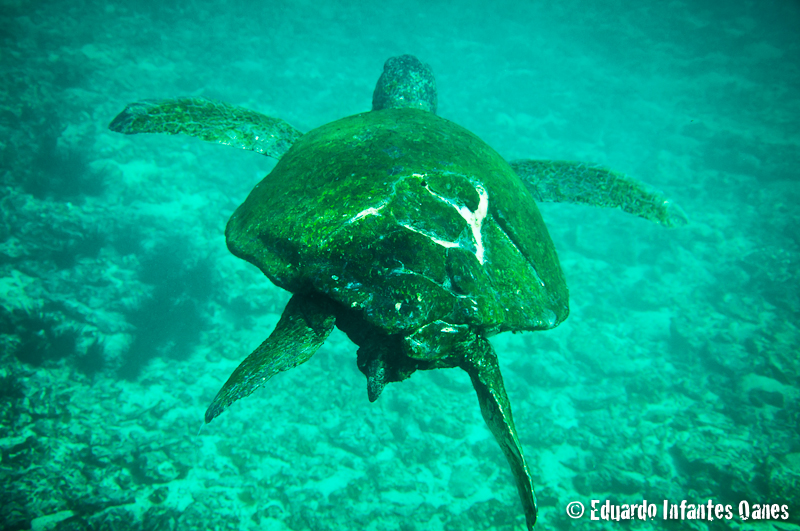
(306, 322)
(208, 120)
(563, 181)
(480, 362)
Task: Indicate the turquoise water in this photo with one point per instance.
(122, 312)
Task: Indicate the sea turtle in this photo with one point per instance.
(404, 230)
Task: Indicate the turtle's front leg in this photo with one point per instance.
(480, 362)
(563, 181)
(213, 121)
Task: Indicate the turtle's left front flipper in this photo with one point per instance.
(213, 121)
(578, 182)
(480, 362)
(306, 322)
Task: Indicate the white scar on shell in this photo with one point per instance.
(474, 219)
(371, 211)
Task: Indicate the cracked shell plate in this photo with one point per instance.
(407, 218)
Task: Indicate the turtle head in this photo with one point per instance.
(406, 82)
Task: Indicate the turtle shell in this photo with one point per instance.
(406, 218)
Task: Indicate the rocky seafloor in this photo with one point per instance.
(122, 313)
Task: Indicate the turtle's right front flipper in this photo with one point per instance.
(563, 181)
(208, 120)
(306, 322)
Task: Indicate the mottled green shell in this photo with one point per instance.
(406, 218)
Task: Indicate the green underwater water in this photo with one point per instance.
(122, 312)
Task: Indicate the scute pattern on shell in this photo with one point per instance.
(407, 218)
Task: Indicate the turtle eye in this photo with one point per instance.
(423, 183)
